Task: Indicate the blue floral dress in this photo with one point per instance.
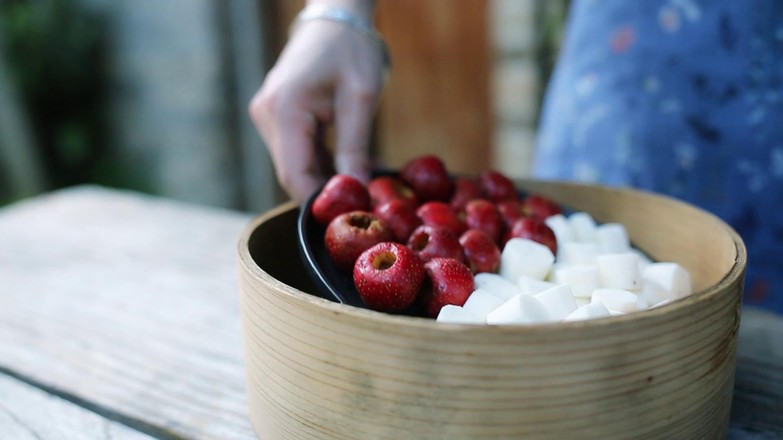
(682, 97)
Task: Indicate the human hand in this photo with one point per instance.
(327, 74)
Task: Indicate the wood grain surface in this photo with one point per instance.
(119, 318)
(127, 302)
(28, 413)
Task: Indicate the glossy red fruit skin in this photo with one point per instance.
(465, 190)
(482, 254)
(440, 214)
(430, 242)
(484, 215)
(497, 186)
(428, 177)
(533, 229)
(540, 207)
(511, 211)
(400, 217)
(385, 188)
(351, 233)
(388, 277)
(342, 193)
(450, 282)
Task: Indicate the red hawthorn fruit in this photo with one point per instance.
(533, 229)
(465, 190)
(440, 214)
(435, 242)
(385, 188)
(497, 186)
(428, 177)
(400, 217)
(342, 193)
(450, 282)
(481, 252)
(351, 233)
(388, 277)
(483, 214)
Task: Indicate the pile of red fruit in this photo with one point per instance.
(420, 236)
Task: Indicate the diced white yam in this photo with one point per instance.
(619, 300)
(670, 276)
(582, 227)
(644, 260)
(654, 293)
(457, 315)
(582, 301)
(612, 238)
(521, 309)
(582, 279)
(481, 302)
(577, 253)
(619, 271)
(662, 303)
(496, 285)
(521, 256)
(531, 286)
(589, 311)
(559, 224)
(558, 301)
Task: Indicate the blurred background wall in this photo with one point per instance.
(151, 95)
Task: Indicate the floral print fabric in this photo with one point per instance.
(682, 97)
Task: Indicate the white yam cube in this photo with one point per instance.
(481, 302)
(496, 285)
(612, 238)
(531, 286)
(577, 253)
(619, 271)
(582, 279)
(644, 260)
(559, 224)
(670, 276)
(581, 301)
(521, 309)
(662, 303)
(589, 311)
(654, 293)
(558, 301)
(582, 227)
(619, 300)
(521, 256)
(457, 315)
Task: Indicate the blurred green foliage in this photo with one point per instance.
(56, 51)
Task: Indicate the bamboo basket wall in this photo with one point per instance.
(321, 370)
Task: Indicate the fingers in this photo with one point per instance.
(289, 129)
(354, 111)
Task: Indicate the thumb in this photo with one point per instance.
(354, 111)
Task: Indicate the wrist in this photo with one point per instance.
(335, 11)
(364, 9)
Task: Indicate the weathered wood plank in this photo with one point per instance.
(129, 302)
(757, 408)
(28, 413)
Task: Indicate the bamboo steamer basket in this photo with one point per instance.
(322, 370)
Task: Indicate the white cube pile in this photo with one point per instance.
(595, 274)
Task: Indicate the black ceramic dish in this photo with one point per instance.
(331, 283)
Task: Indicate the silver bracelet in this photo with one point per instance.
(320, 11)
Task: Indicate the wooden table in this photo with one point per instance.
(119, 319)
